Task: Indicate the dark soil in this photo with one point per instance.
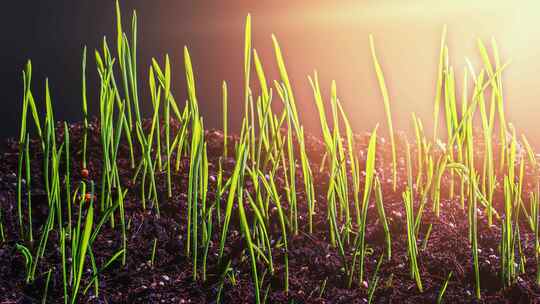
(312, 260)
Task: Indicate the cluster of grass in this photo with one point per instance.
(271, 144)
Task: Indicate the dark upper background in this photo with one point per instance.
(331, 36)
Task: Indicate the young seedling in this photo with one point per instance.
(360, 248)
(386, 100)
(443, 288)
(439, 86)
(225, 118)
(411, 239)
(382, 217)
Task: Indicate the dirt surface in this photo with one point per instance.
(313, 262)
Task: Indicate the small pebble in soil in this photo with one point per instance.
(88, 197)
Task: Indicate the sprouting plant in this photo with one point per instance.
(412, 248)
(360, 239)
(473, 210)
(535, 225)
(28, 105)
(451, 118)
(386, 100)
(507, 247)
(195, 172)
(208, 229)
(84, 110)
(286, 93)
(236, 191)
(235, 188)
(382, 216)
(27, 257)
(443, 288)
(46, 288)
(67, 177)
(250, 246)
(439, 86)
(82, 242)
(290, 177)
(331, 153)
(496, 85)
(127, 60)
(167, 120)
(225, 118)
(28, 190)
(374, 280)
(2, 229)
(272, 191)
(153, 255)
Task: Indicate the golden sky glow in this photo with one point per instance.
(332, 37)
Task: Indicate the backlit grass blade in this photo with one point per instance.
(412, 248)
(225, 117)
(443, 289)
(272, 191)
(439, 85)
(234, 185)
(67, 179)
(83, 247)
(167, 121)
(374, 281)
(84, 110)
(496, 86)
(386, 100)
(247, 62)
(534, 200)
(382, 216)
(368, 185)
(244, 225)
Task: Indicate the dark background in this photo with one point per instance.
(52, 34)
(331, 36)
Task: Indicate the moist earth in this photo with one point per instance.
(315, 267)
